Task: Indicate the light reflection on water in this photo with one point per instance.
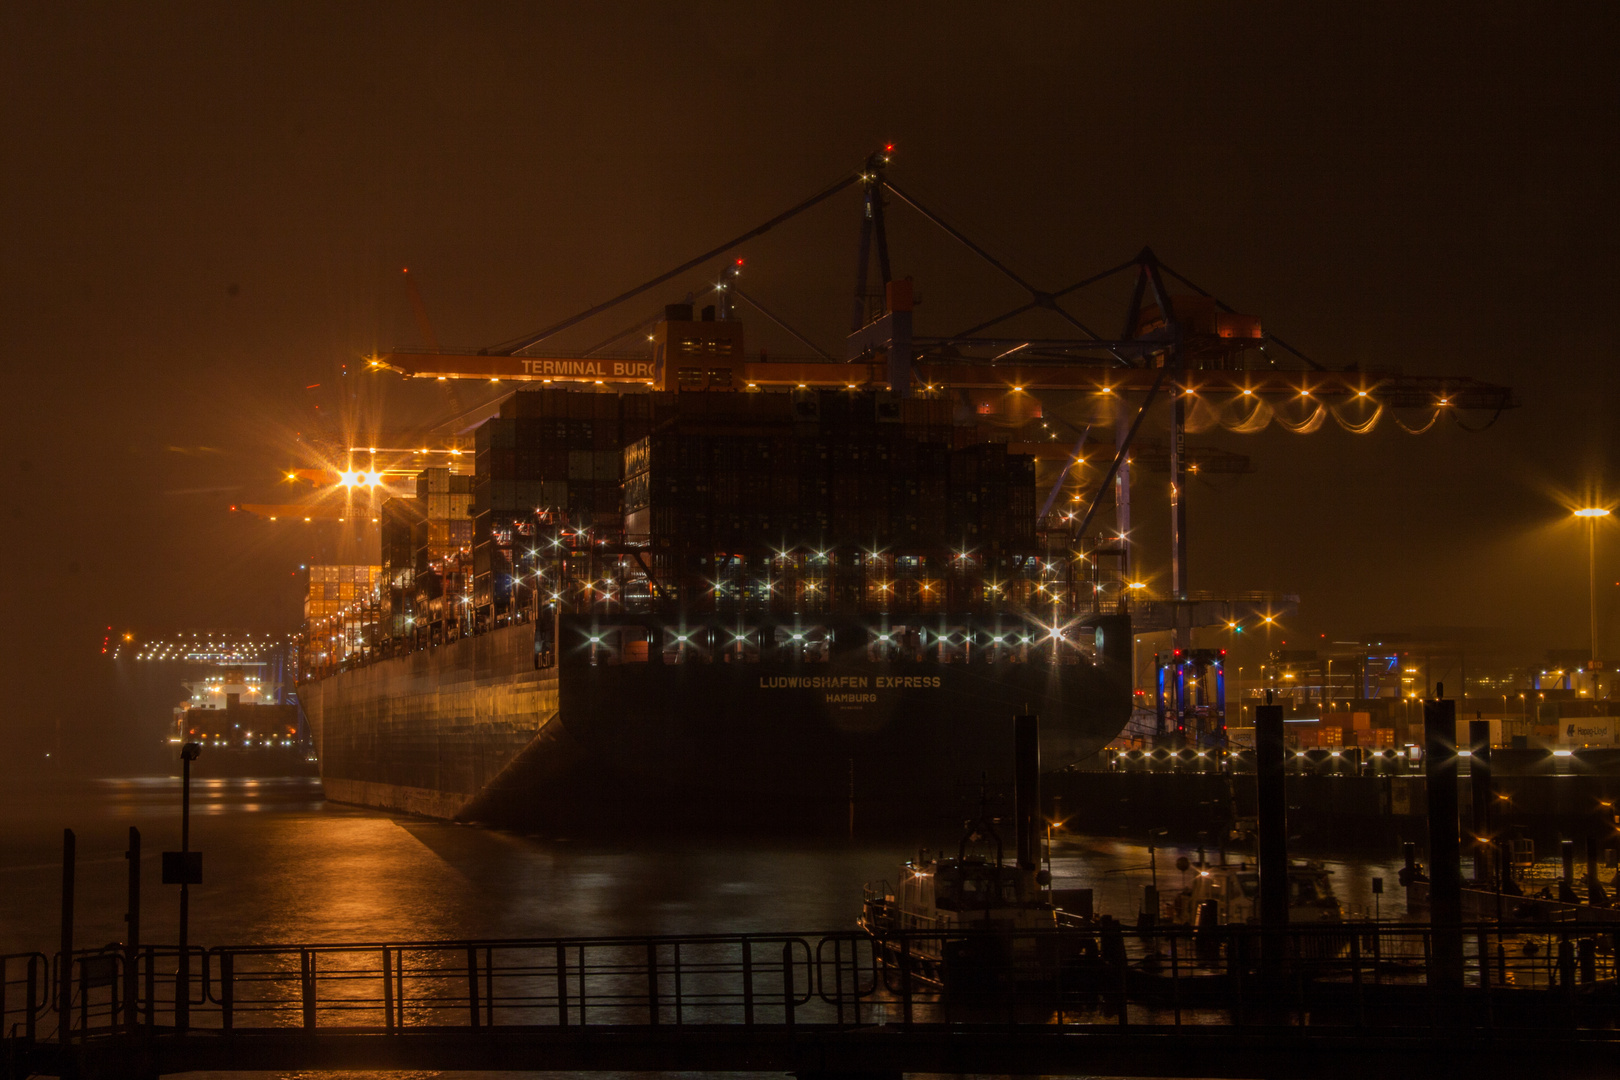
(282, 865)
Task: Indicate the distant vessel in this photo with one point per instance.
(245, 730)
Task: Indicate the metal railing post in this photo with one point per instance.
(151, 987)
(652, 982)
(307, 969)
(905, 979)
(1175, 978)
(562, 987)
(1238, 959)
(388, 989)
(1124, 989)
(399, 986)
(132, 919)
(472, 983)
(1566, 966)
(1355, 967)
(31, 1021)
(838, 977)
(748, 981)
(227, 989)
(675, 949)
(787, 982)
(64, 972)
(489, 986)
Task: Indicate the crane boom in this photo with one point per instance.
(1388, 387)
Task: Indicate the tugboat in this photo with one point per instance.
(971, 923)
(971, 912)
(1235, 892)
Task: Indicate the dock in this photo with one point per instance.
(1323, 1001)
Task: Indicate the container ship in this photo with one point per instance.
(710, 602)
(237, 714)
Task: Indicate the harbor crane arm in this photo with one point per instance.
(519, 344)
(1094, 375)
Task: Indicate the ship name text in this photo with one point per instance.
(849, 682)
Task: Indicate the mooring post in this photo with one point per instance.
(1445, 858)
(132, 942)
(1271, 805)
(64, 999)
(1480, 794)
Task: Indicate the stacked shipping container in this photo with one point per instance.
(828, 469)
(701, 471)
(556, 450)
(426, 548)
(340, 613)
(811, 501)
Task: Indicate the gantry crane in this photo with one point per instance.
(1188, 348)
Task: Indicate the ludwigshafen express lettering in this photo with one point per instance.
(849, 682)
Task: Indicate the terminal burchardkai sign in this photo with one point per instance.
(619, 370)
(520, 368)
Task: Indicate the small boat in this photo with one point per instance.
(972, 921)
(1235, 892)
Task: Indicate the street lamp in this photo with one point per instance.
(183, 871)
(1592, 514)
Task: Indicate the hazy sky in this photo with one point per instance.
(206, 207)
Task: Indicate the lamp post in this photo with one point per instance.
(1592, 514)
(182, 989)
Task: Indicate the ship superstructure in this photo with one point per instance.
(236, 708)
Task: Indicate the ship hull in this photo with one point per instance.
(427, 732)
(474, 730)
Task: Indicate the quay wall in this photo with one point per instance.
(1334, 811)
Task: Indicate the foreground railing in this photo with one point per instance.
(1337, 975)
